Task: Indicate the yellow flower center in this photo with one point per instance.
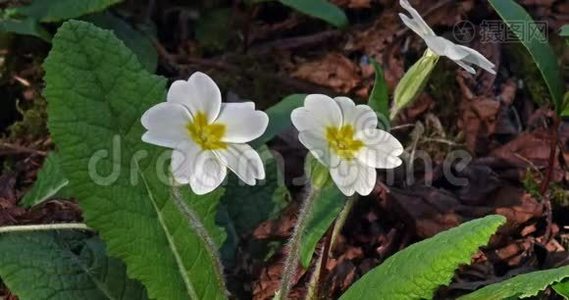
(342, 141)
(207, 136)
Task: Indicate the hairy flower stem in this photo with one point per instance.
(291, 262)
(195, 223)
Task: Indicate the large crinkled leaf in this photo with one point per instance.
(63, 265)
(60, 10)
(536, 43)
(50, 182)
(521, 286)
(97, 91)
(418, 270)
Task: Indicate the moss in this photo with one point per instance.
(530, 183)
(33, 124)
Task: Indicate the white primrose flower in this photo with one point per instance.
(344, 137)
(462, 55)
(207, 136)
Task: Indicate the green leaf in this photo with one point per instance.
(61, 10)
(137, 41)
(212, 29)
(536, 43)
(320, 9)
(279, 117)
(379, 97)
(25, 26)
(97, 91)
(244, 207)
(49, 183)
(564, 30)
(63, 265)
(565, 112)
(562, 288)
(521, 286)
(418, 270)
(329, 203)
(413, 82)
(249, 206)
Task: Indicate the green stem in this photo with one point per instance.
(44, 227)
(291, 262)
(342, 217)
(319, 272)
(312, 289)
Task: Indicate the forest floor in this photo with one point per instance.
(270, 52)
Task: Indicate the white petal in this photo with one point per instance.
(198, 94)
(181, 164)
(244, 161)
(208, 173)
(318, 113)
(381, 149)
(367, 178)
(444, 47)
(242, 122)
(360, 116)
(418, 25)
(166, 124)
(351, 176)
(318, 146)
(412, 25)
(476, 58)
(465, 66)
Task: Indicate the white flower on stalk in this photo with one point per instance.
(344, 137)
(462, 55)
(207, 136)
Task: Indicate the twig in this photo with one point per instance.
(295, 42)
(553, 150)
(149, 11)
(17, 149)
(402, 126)
(297, 85)
(44, 227)
(441, 141)
(548, 177)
